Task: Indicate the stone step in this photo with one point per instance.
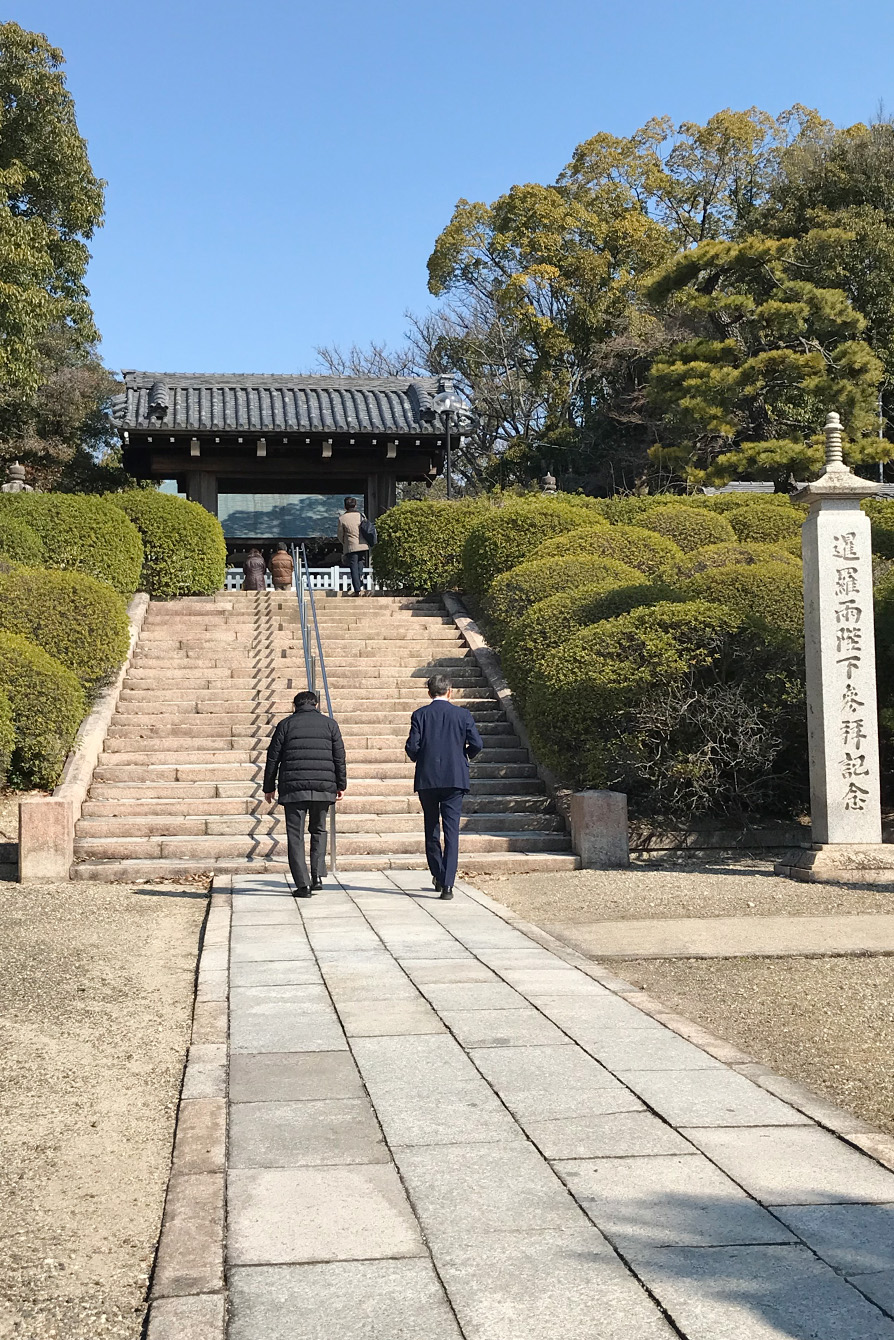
(363, 789)
(216, 726)
(269, 847)
(120, 771)
(188, 804)
(264, 823)
(209, 752)
(279, 697)
(154, 718)
(478, 863)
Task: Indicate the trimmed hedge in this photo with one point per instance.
(731, 502)
(549, 623)
(83, 533)
(769, 593)
(689, 527)
(731, 555)
(184, 551)
(19, 542)
(420, 547)
(765, 525)
(48, 705)
(510, 534)
(76, 619)
(515, 591)
(641, 549)
(7, 736)
(881, 514)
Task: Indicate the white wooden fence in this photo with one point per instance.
(321, 579)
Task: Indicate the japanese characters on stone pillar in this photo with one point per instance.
(839, 646)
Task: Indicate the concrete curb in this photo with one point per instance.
(877, 1144)
(187, 1300)
(489, 662)
(46, 825)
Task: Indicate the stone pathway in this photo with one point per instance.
(440, 1128)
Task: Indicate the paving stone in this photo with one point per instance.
(715, 1097)
(539, 1083)
(388, 1018)
(582, 1014)
(554, 980)
(502, 1028)
(282, 1215)
(676, 1199)
(473, 996)
(853, 1239)
(283, 1019)
(461, 1189)
(291, 972)
(795, 1166)
(292, 1076)
(625, 1049)
(879, 1287)
(615, 1135)
(299, 1134)
(412, 1064)
(190, 1250)
(364, 983)
(201, 1140)
(342, 1300)
(425, 971)
(271, 947)
(200, 1317)
(468, 1112)
(545, 1286)
(281, 913)
(757, 1293)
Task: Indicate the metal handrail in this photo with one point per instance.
(304, 590)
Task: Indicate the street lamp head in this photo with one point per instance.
(445, 401)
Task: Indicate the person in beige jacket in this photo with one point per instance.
(354, 548)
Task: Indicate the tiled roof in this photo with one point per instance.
(265, 404)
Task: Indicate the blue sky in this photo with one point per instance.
(277, 173)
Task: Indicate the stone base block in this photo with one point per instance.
(46, 840)
(842, 863)
(599, 829)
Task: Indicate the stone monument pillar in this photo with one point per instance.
(839, 647)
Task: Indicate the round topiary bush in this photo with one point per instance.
(731, 502)
(420, 545)
(184, 550)
(770, 593)
(76, 619)
(689, 527)
(510, 534)
(735, 554)
(880, 512)
(515, 591)
(48, 705)
(549, 623)
(19, 542)
(765, 525)
(684, 707)
(7, 736)
(82, 533)
(642, 549)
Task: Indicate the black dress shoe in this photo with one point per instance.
(317, 884)
(437, 885)
(446, 893)
(302, 891)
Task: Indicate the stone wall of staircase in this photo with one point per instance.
(177, 789)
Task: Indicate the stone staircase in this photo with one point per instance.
(177, 789)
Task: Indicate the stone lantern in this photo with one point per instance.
(15, 480)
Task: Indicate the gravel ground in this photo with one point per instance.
(96, 989)
(828, 1022)
(736, 888)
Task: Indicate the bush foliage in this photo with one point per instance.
(769, 593)
(881, 514)
(508, 535)
(515, 591)
(420, 547)
(689, 527)
(184, 551)
(48, 705)
(766, 525)
(82, 533)
(19, 541)
(642, 549)
(7, 736)
(76, 619)
(732, 555)
(683, 706)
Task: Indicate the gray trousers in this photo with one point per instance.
(315, 813)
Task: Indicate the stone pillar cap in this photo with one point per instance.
(836, 480)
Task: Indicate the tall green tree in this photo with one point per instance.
(766, 352)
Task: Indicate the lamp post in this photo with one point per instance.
(447, 403)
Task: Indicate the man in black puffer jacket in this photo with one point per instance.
(307, 753)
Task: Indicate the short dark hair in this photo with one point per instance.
(350, 503)
(437, 686)
(280, 547)
(306, 698)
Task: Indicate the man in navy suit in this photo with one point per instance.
(443, 739)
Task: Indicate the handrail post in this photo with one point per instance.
(321, 661)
